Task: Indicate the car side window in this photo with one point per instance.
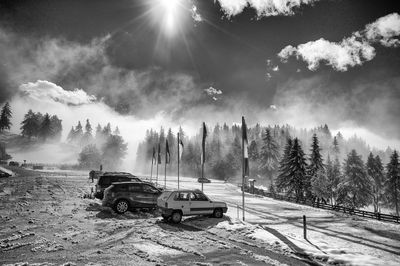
(122, 188)
(182, 196)
(149, 189)
(200, 197)
(135, 188)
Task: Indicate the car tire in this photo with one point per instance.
(218, 213)
(176, 217)
(121, 206)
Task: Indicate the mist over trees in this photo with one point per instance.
(41, 127)
(105, 148)
(304, 163)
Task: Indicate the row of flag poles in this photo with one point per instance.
(157, 160)
(245, 158)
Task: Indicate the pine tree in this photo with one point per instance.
(45, 128)
(375, 172)
(357, 187)
(6, 114)
(295, 179)
(78, 132)
(113, 151)
(333, 175)
(284, 172)
(107, 130)
(335, 146)
(30, 125)
(87, 136)
(316, 167)
(392, 186)
(269, 155)
(116, 131)
(56, 127)
(71, 135)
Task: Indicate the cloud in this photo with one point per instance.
(195, 14)
(47, 91)
(264, 8)
(275, 69)
(212, 91)
(384, 30)
(351, 51)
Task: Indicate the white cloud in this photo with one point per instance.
(351, 51)
(273, 107)
(195, 14)
(43, 90)
(384, 30)
(212, 91)
(264, 8)
(276, 68)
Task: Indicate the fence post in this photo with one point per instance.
(304, 227)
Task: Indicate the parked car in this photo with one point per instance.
(203, 180)
(175, 204)
(108, 178)
(122, 196)
(4, 174)
(12, 163)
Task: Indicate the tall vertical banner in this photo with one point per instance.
(158, 160)
(167, 161)
(203, 152)
(180, 150)
(245, 160)
(203, 144)
(245, 149)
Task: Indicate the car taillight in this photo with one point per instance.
(166, 205)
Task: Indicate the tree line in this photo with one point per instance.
(105, 147)
(332, 170)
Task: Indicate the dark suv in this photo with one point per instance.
(124, 195)
(108, 178)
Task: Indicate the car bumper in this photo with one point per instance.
(165, 211)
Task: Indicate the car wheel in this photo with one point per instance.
(176, 217)
(218, 213)
(121, 206)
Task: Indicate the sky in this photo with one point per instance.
(180, 62)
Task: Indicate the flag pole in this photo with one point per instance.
(243, 170)
(165, 169)
(202, 175)
(158, 161)
(165, 176)
(151, 171)
(178, 160)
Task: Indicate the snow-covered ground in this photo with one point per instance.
(331, 237)
(44, 220)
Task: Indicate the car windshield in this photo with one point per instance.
(165, 195)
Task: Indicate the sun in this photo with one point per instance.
(169, 14)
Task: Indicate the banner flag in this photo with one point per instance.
(245, 148)
(203, 144)
(167, 154)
